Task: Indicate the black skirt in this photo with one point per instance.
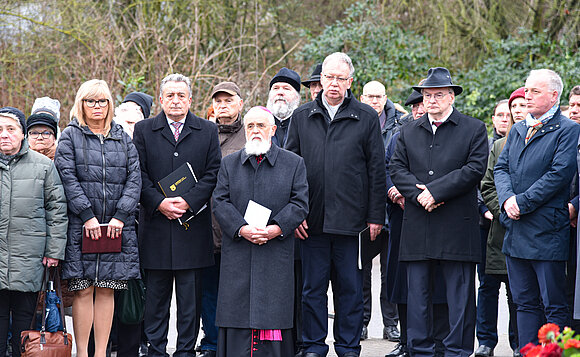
(239, 342)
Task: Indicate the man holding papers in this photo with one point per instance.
(168, 251)
(260, 198)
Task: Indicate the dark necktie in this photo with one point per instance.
(437, 123)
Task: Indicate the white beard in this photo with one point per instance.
(257, 147)
(282, 109)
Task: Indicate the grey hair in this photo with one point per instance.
(574, 91)
(175, 77)
(260, 110)
(340, 57)
(554, 80)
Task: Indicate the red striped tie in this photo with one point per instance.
(176, 125)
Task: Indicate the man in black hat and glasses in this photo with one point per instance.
(437, 165)
(313, 83)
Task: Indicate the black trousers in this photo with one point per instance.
(21, 305)
(159, 284)
(459, 280)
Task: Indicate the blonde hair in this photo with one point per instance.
(93, 89)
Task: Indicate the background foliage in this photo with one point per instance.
(50, 47)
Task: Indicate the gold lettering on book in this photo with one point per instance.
(174, 186)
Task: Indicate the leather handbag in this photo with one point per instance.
(34, 343)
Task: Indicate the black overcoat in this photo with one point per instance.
(257, 281)
(165, 244)
(345, 161)
(450, 163)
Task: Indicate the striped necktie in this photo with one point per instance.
(177, 126)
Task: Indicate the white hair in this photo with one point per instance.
(283, 110)
(175, 77)
(340, 57)
(260, 111)
(553, 79)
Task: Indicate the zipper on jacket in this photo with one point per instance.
(104, 201)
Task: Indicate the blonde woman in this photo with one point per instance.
(99, 167)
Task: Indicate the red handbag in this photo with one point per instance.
(35, 343)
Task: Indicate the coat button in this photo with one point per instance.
(431, 172)
(551, 127)
(176, 154)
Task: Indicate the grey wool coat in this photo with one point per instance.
(101, 179)
(256, 281)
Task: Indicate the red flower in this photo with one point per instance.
(530, 350)
(551, 350)
(548, 333)
(572, 343)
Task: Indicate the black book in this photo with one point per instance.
(368, 249)
(178, 183)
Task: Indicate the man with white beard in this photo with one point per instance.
(283, 99)
(255, 296)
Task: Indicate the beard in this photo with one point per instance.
(257, 147)
(281, 107)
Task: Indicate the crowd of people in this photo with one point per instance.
(280, 197)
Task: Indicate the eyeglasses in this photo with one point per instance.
(437, 96)
(338, 79)
(92, 102)
(36, 134)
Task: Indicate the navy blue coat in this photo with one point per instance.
(257, 281)
(165, 244)
(450, 163)
(101, 180)
(539, 175)
(345, 162)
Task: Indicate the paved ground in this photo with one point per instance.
(375, 346)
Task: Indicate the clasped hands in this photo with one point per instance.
(173, 207)
(426, 200)
(114, 229)
(258, 235)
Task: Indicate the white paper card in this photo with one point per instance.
(257, 215)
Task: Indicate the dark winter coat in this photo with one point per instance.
(163, 243)
(394, 119)
(450, 163)
(33, 219)
(101, 180)
(257, 281)
(494, 258)
(539, 174)
(232, 138)
(345, 162)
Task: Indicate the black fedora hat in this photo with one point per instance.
(414, 98)
(439, 77)
(314, 77)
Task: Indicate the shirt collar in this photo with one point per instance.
(431, 120)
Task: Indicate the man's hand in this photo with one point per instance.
(394, 194)
(375, 230)
(115, 228)
(272, 231)
(181, 203)
(511, 208)
(300, 232)
(93, 228)
(426, 200)
(253, 235)
(573, 215)
(169, 207)
(49, 262)
(487, 215)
